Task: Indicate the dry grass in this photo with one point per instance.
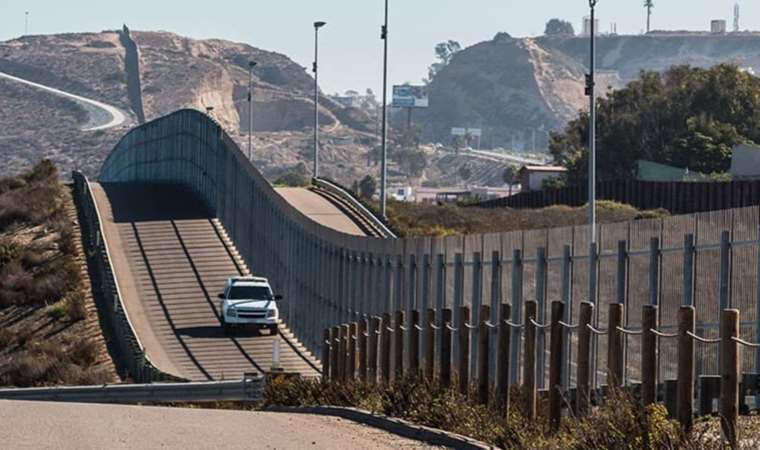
(45, 338)
(415, 219)
(621, 423)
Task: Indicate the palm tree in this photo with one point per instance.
(649, 4)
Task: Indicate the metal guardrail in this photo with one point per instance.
(365, 212)
(130, 355)
(250, 388)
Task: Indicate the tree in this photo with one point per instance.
(444, 51)
(413, 162)
(558, 27)
(686, 117)
(649, 4)
(367, 187)
(509, 176)
(502, 36)
(458, 142)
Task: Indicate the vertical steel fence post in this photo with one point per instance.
(475, 302)
(541, 314)
(565, 297)
(517, 301)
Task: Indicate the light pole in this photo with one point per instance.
(26, 23)
(317, 26)
(384, 163)
(590, 91)
(251, 65)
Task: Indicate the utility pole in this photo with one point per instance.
(384, 162)
(251, 65)
(317, 26)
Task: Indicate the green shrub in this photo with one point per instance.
(58, 310)
(9, 251)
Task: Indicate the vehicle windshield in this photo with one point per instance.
(249, 293)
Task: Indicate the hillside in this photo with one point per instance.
(513, 88)
(49, 330)
(149, 74)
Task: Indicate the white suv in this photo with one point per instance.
(248, 301)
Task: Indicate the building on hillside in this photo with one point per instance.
(443, 195)
(348, 101)
(718, 27)
(532, 177)
(587, 26)
(745, 162)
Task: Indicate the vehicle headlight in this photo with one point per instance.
(232, 312)
(271, 313)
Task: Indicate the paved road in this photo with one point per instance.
(506, 157)
(40, 425)
(171, 259)
(115, 116)
(320, 210)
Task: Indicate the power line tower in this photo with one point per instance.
(737, 12)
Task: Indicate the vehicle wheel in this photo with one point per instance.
(273, 329)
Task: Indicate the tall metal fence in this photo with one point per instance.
(708, 260)
(678, 197)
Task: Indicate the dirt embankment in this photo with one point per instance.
(49, 328)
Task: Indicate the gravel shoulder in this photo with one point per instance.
(47, 425)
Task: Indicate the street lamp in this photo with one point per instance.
(317, 26)
(384, 163)
(26, 23)
(251, 65)
(590, 91)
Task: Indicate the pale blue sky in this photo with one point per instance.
(350, 47)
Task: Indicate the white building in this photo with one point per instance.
(532, 177)
(587, 26)
(718, 27)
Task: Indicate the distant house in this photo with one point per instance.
(532, 177)
(745, 162)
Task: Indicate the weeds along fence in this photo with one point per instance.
(374, 350)
(124, 343)
(705, 260)
(678, 197)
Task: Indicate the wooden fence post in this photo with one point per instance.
(483, 355)
(685, 398)
(385, 349)
(729, 382)
(430, 344)
(361, 343)
(445, 349)
(583, 391)
(326, 354)
(649, 321)
(556, 348)
(529, 360)
(615, 346)
(335, 353)
(463, 363)
(502, 360)
(372, 338)
(351, 358)
(414, 344)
